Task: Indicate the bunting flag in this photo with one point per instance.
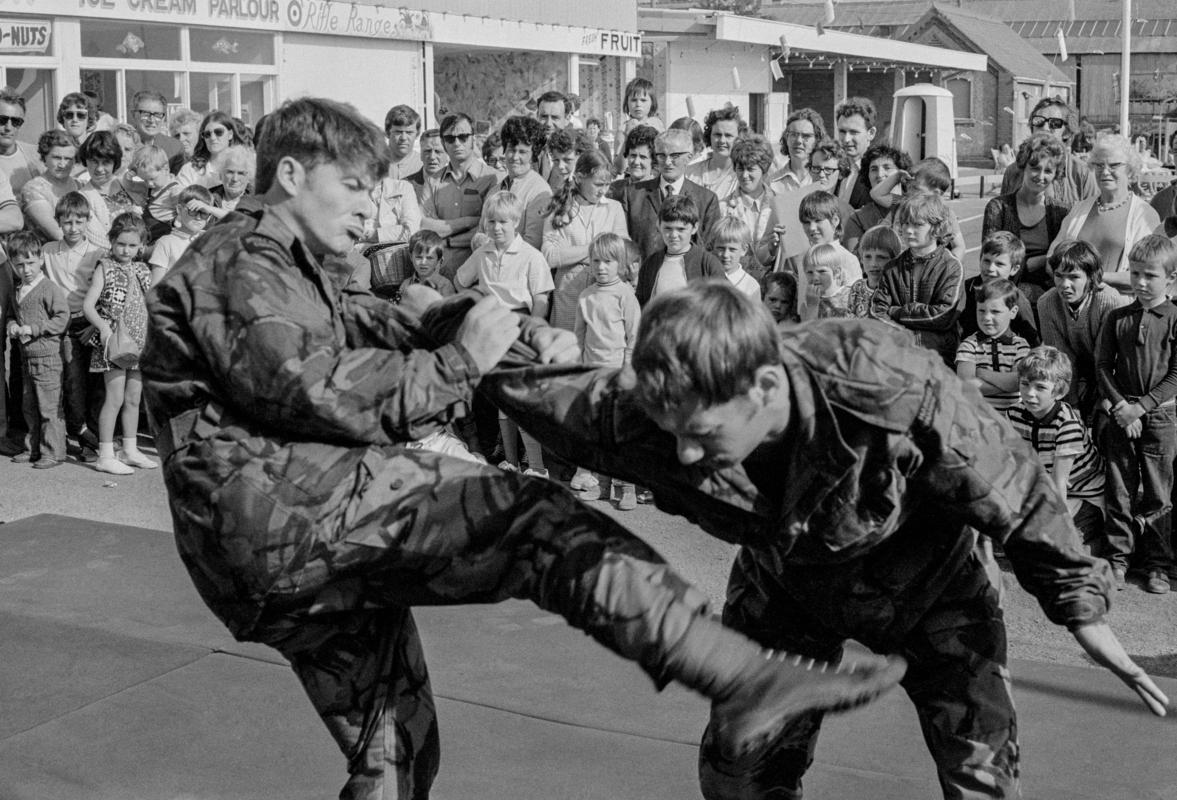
(1062, 43)
(1070, 10)
(828, 19)
(786, 51)
(736, 78)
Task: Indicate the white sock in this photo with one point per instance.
(130, 444)
(106, 449)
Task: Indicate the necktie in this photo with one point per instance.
(667, 190)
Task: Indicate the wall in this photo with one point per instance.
(702, 70)
(611, 14)
(494, 84)
(394, 69)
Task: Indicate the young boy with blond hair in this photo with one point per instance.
(730, 243)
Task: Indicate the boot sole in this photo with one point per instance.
(820, 690)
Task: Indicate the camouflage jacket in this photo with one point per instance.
(889, 459)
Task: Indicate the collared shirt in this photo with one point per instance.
(1060, 433)
(398, 216)
(997, 353)
(753, 211)
(400, 170)
(534, 194)
(788, 181)
(515, 275)
(1136, 358)
(721, 181)
(677, 185)
(457, 196)
(71, 268)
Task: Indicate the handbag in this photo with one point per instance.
(121, 348)
(391, 265)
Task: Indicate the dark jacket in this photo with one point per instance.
(922, 293)
(697, 263)
(643, 202)
(46, 311)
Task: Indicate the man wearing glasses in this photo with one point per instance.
(18, 160)
(149, 115)
(1074, 181)
(452, 209)
(642, 201)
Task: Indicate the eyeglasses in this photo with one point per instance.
(1054, 123)
(158, 116)
(209, 133)
(824, 172)
(75, 115)
(1110, 166)
(671, 156)
(450, 138)
(15, 122)
(797, 135)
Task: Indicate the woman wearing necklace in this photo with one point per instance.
(1029, 212)
(1114, 220)
(579, 212)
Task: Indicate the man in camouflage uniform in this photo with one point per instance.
(284, 410)
(848, 463)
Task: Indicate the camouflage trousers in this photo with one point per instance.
(417, 528)
(956, 677)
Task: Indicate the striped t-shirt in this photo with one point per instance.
(998, 353)
(1061, 433)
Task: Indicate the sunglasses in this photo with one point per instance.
(210, 133)
(15, 122)
(450, 138)
(1053, 123)
(75, 115)
(200, 216)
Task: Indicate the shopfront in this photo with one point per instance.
(245, 56)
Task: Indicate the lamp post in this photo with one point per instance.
(1125, 65)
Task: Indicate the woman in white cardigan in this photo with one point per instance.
(579, 213)
(1116, 219)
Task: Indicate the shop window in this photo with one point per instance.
(962, 97)
(226, 46)
(257, 95)
(209, 91)
(36, 87)
(130, 40)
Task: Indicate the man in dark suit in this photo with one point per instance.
(643, 201)
(149, 115)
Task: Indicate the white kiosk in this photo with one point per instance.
(923, 125)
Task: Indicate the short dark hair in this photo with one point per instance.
(128, 221)
(524, 130)
(402, 116)
(725, 114)
(1004, 243)
(54, 138)
(101, 146)
(78, 99)
(424, 241)
(72, 203)
(679, 208)
(489, 144)
(808, 115)
(752, 150)
(639, 136)
(933, 173)
(873, 153)
(194, 191)
(1038, 148)
(862, 106)
(819, 205)
(569, 140)
(451, 120)
(644, 86)
(1078, 256)
(314, 130)
(148, 94)
(1058, 102)
(553, 96)
(12, 98)
(997, 289)
(23, 243)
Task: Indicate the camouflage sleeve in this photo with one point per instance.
(981, 471)
(270, 340)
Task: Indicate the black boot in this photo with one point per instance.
(754, 691)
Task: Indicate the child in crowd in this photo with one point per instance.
(564, 149)
(516, 273)
(681, 261)
(779, 292)
(607, 317)
(1002, 257)
(826, 293)
(1136, 364)
(1072, 313)
(640, 106)
(117, 296)
(188, 223)
(877, 247)
(928, 175)
(990, 356)
(38, 317)
(730, 242)
(633, 258)
(920, 289)
(426, 249)
(1056, 432)
(821, 220)
(160, 190)
(70, 264)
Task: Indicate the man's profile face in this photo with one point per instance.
(719, 436)
(333, 203)
(552, 116)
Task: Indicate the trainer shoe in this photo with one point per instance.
(25, 458)
(113, 466)
(47, 463)
(1119, 576)
(1157, 583)
(628, 500)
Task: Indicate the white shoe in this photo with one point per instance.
(536, 473)
(113, 466)
(583, 481)
(136, 458)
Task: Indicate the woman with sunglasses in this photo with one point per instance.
(77, 115)
(1029, 212)
(803, 130)
(1073, 182)
(217, 132)
(39, 196)
(1115, 219)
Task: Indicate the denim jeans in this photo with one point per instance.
(42, 406)
(1141, 466)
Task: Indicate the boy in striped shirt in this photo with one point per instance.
(1056, 432)
(990, 356)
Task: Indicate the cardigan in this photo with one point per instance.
(1142, 221)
